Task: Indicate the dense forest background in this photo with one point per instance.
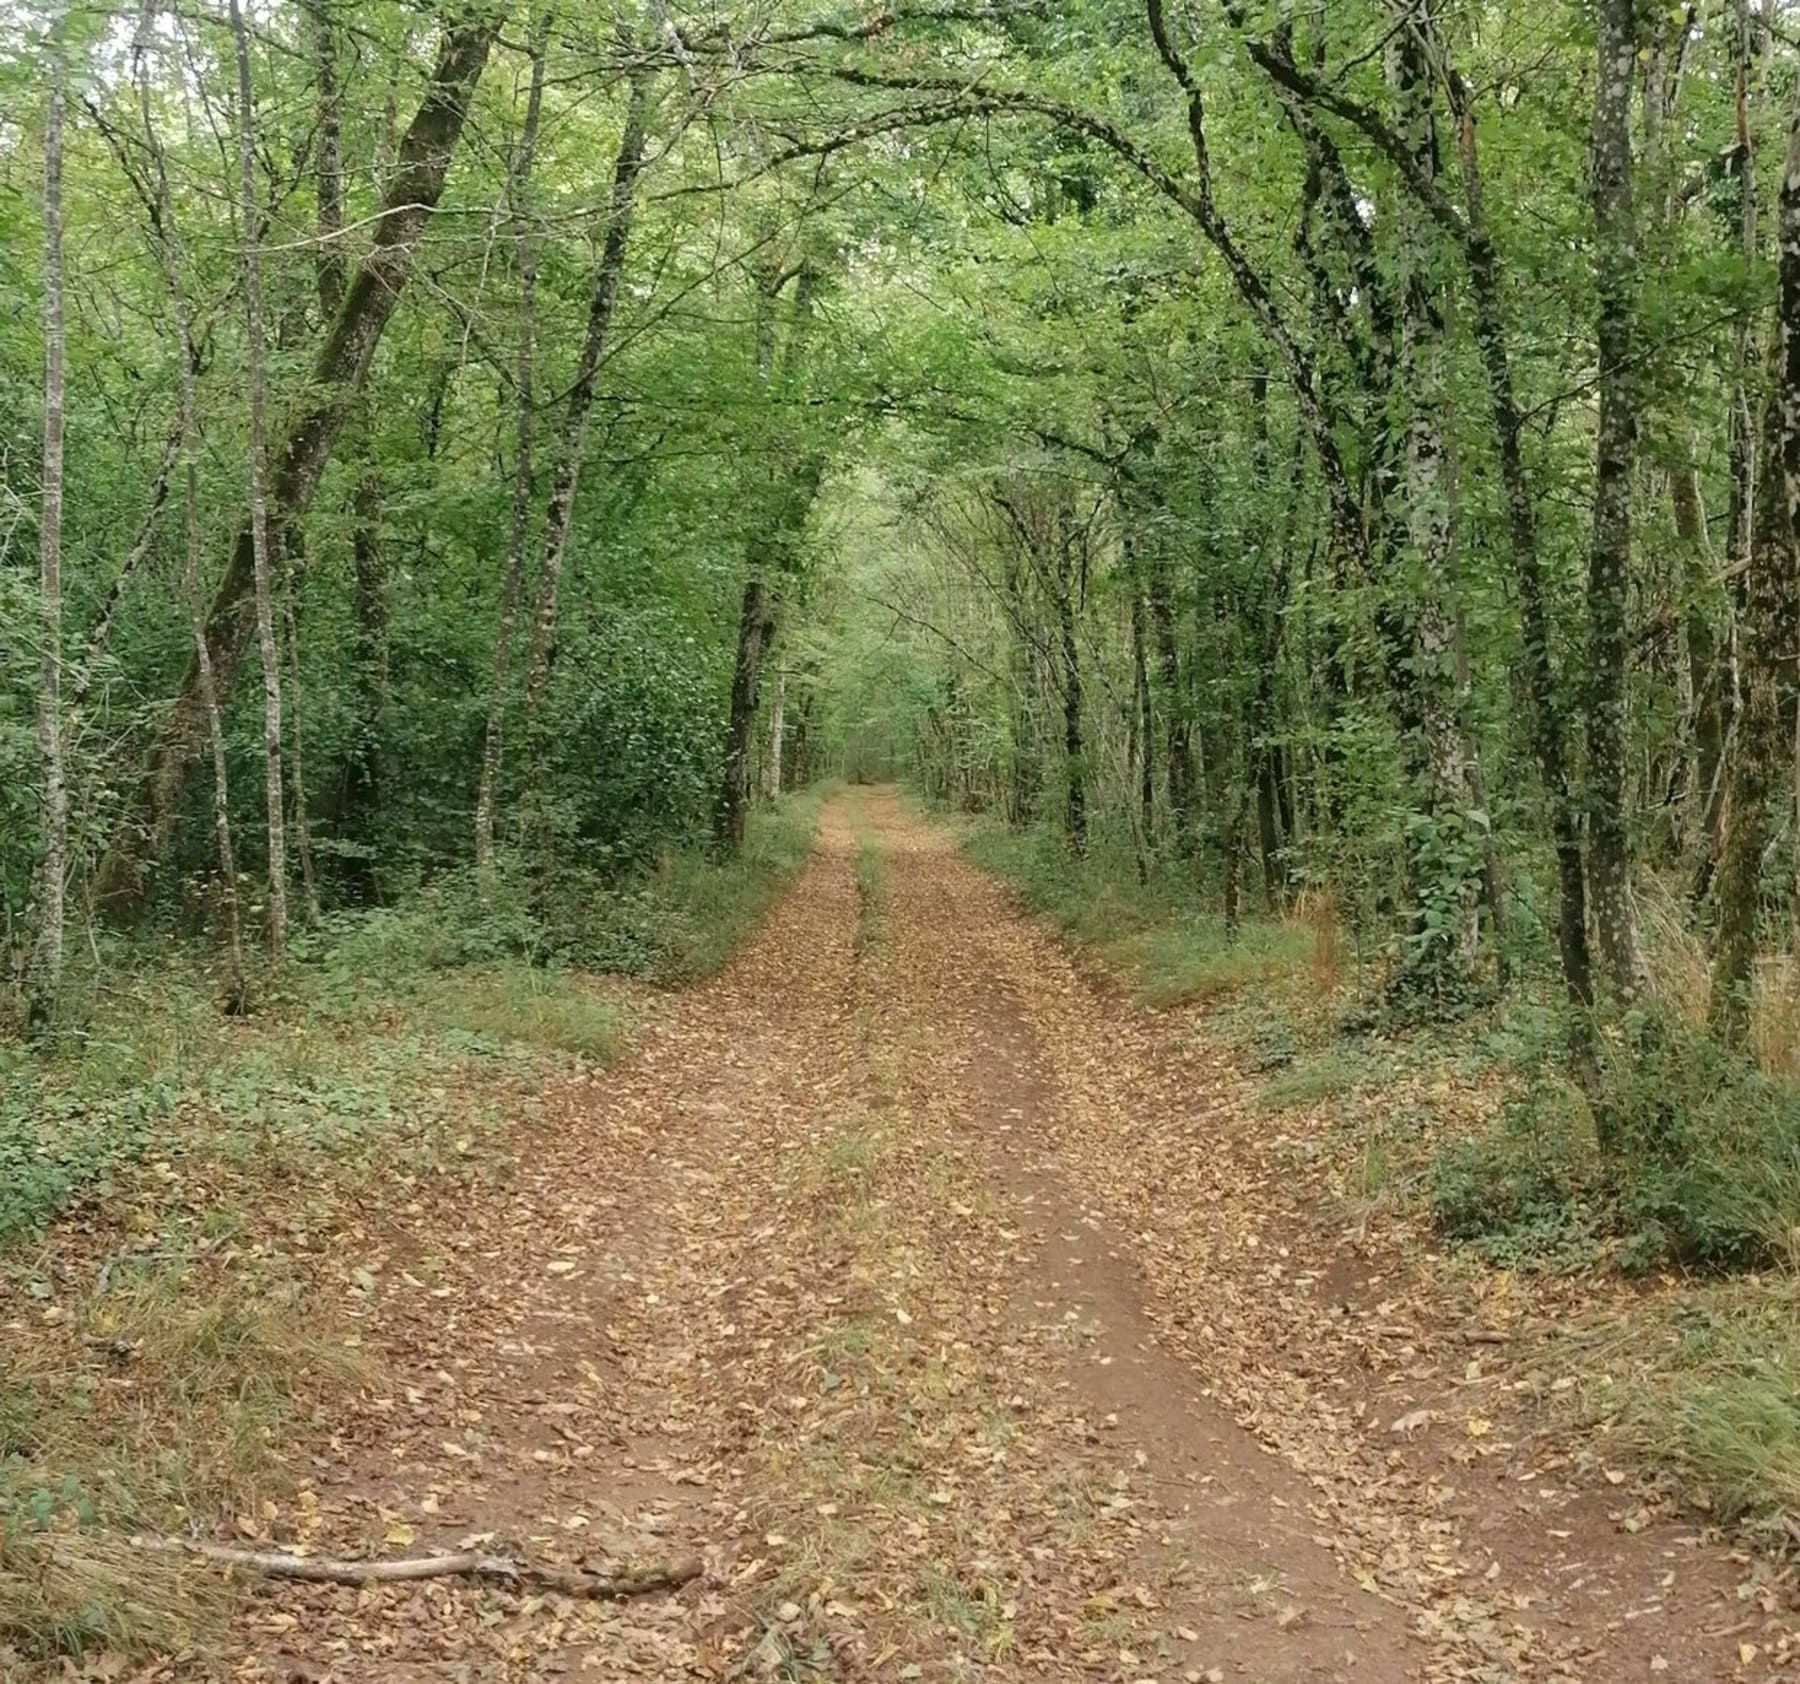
(1334, 461)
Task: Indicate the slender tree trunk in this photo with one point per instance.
(1609, 559)
(755, 621)
(1144, 718)
(1178, 776)
(1268, 833)
(81, 679)
(174, 273)
(1074, 747)
(1022, 739)
(332, 266)
(47, 971)
(519, 530)
(262, 580)
(321, 405)
(1740, 518)
(296, 761)
(1706, 724)
(560, 518)
(360, 778)
(1763, 766)
(777, 727)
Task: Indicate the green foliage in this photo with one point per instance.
(682, 918)
(1693, 1161)
(1150, 926)
(1703, 1147)
(1518, 1195)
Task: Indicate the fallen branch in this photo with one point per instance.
(466, 1564)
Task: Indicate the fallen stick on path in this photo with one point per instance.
(466, 1564)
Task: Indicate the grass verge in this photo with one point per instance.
(1147, 928)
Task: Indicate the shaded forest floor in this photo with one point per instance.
(970, 1320)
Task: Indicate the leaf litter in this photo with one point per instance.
(971, 1322)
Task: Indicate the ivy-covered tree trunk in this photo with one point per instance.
(1609, 556)
(1445, 842)
(1543, 682)
(1763, 766)
(321, 406)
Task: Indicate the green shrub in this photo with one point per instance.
(1690, 1157)
(1703, 1149)
(685, 918)
(1520, 1193)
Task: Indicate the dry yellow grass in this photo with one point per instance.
(161, 1400)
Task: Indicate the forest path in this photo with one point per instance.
(972, 1324)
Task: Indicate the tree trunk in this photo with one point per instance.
(1145, 720)
(360, 781)
(1022, 739)
(1742, 435)
(519, 529)
(1542, 681)
(1446, 852)
(319, 411)
(332, 266)
(47, 971)
(261, 570)
(777, 727)
(296, 762)
(1178, 731)
(794, 485)
(1074, 763)
(1762, 766)
(1706, 724)
(560, 517)
(1609, 558)
(755, 621)
(174, 274)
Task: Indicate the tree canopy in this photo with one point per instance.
(1338, 451)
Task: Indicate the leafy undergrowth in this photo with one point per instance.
(682, 919)
(171, 1182)
(1149, 929)
(1471, 1132)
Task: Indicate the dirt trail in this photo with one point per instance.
(972, 1326)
